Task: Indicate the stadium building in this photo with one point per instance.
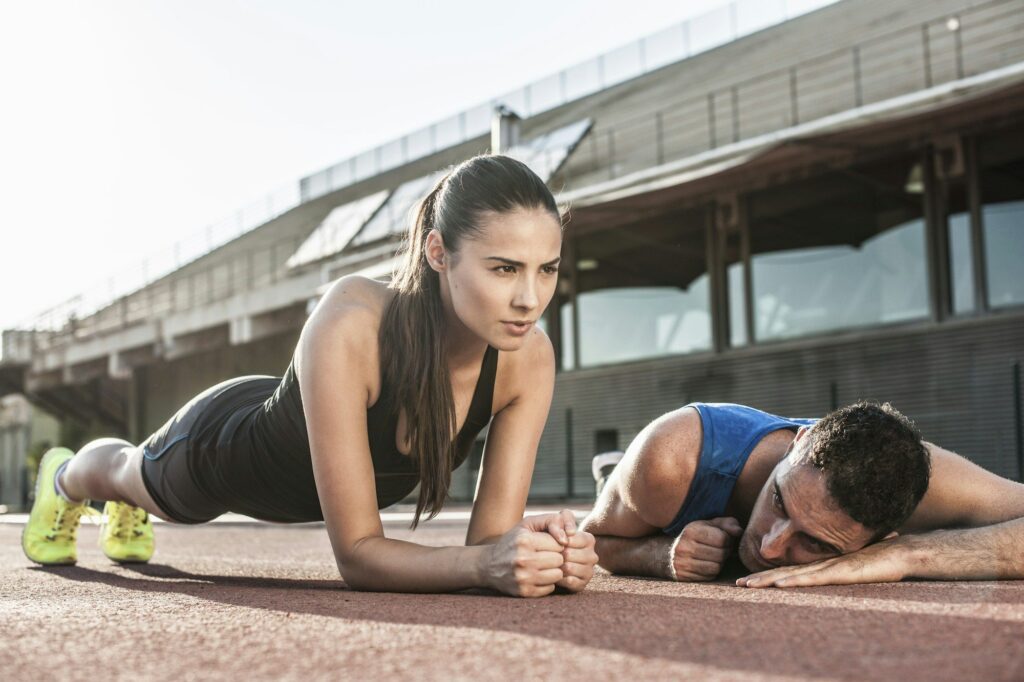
(788, 212)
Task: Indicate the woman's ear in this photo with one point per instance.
(433, 251)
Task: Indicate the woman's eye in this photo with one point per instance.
(550, 270)
(506, 269)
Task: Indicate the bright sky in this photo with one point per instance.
(128, 125)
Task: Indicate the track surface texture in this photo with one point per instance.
(261, 601)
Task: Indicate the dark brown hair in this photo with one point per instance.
(875, 465)
(412, 331)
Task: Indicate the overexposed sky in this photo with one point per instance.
(127, 125)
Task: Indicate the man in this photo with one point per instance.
(856, 497)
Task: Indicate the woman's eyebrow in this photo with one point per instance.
(509, 261)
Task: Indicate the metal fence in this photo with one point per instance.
(983, 38)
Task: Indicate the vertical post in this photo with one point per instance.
(977, 225)
(794, 111)
(748, 274)
(570, 242)
(833, 396)
(858, 96)
(611, 153)
(936, 241)
(711, 120)
(659, 136)
(570, 489)
(1017, 421)
(718, 298)
(735, 113)
(927, 56)
(959, 49)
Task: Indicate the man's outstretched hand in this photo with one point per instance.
(882, 562)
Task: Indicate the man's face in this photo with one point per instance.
(795, 520)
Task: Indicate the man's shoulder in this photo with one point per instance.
(663, 460)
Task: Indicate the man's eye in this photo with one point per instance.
(550, 270)
(819, 547)
(776, 499)
(506, 269)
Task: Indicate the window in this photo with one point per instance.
(845, 249)
(1002, 215)
(642, 291)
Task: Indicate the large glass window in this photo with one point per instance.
(845, 249)
(1002, 196)
(642, 291)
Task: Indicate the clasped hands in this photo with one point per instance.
(541, 553)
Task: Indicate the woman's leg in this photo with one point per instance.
(108, 469)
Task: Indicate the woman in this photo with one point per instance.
(388, 387)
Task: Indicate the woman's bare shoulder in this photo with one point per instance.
(359, 292)
(347, 318)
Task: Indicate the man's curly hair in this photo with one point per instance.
(874, 461)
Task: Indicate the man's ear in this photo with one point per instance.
(434, 252)
(801, 432)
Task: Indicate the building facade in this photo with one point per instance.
(827, 209)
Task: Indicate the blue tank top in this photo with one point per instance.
(730, 434)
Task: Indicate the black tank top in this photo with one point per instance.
(250, 448)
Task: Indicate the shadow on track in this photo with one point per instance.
(757, 637)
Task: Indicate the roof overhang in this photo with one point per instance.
(960, 104)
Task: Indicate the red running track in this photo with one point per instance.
(259, 601)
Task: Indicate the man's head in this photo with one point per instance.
(848, 481)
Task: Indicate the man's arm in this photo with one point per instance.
(989, 553)
(969, 526)
(644, 494)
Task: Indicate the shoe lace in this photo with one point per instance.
(65, 522)
(125, 522)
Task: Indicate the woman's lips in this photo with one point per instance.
(517, 328)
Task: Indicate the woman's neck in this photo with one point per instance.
(463, 347)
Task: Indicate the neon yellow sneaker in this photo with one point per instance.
(127, 536)
(52, 526)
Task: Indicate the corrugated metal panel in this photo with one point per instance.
(954, 380)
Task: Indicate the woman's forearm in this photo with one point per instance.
(386, 565)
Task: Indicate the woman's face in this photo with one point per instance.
(501, 280)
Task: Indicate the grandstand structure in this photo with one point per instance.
(789, 214)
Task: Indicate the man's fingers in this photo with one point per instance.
(697, 569)
(707, 534)
(708, 552)
(728, 524)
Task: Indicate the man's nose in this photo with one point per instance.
(773, 544)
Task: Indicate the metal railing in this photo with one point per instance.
(903, 61)
(722, 25)
(680, 41)
(239, 272)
